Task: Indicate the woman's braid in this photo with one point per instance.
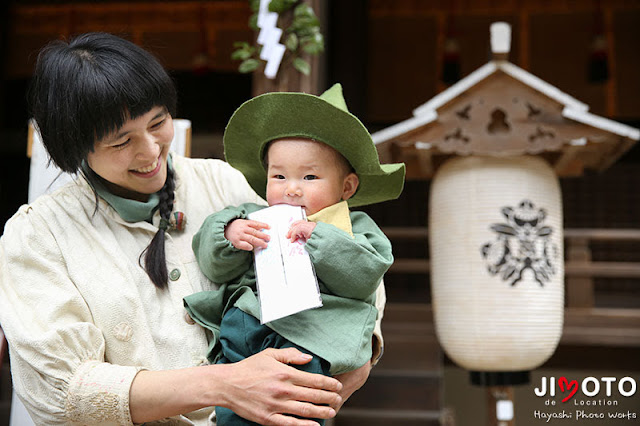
(155, 262)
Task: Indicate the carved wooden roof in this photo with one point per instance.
(502, 110)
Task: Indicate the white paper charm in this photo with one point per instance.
(269, 37)
(285, 278)
(269, 23)
(271, 40)
(263, 9)
(275, 58)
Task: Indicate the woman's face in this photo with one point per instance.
(133, 159)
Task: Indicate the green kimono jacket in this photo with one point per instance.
(349, 270)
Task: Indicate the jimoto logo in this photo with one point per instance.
(593, 398)
(589, 387)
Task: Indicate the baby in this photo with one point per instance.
(306, 151)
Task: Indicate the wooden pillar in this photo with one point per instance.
(611, 85)
(5, 12)
(288, 78)
(523, 40)
(580, 289)
(347, 53)
(500, 410)
(441, 23)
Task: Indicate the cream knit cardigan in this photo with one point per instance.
(82, 317)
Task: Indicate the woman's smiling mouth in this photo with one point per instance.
(149, 169)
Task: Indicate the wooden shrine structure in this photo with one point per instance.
(407, 386)
(502, 110)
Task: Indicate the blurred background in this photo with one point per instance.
(391, 57)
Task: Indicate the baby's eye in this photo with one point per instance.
(278, 176)
(310, 177)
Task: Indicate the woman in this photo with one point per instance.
(92, 276)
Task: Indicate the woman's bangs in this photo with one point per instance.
(129, 98)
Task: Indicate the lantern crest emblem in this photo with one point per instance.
(522, 243)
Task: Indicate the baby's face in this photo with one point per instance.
(306, 173)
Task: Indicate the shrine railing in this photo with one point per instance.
(586, 323)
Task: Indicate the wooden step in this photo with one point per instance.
(406, 387)
(410, 339)
(408, 312)
(403, 352)
(399, 393)
(375, 417)
(601, 327)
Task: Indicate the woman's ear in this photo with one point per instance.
(350, 184)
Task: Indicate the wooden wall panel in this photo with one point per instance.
(560, 49)
(22, 53)
(177, 49)
(627, 46)
(401, 63)
(175, 31)
(556, 45)
(403, 54)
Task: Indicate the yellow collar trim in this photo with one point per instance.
(336, 215)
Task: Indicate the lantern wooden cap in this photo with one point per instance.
(500, 40)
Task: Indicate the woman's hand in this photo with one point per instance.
(246, 234)
(353, 380)
(262, 388)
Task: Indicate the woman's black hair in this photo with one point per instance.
(86, 89)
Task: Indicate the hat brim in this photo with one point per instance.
(285, 114)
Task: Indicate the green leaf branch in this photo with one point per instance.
(302, 36)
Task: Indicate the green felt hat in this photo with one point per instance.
(322, 118)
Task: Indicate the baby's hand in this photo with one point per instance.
(246, 234)
(300, 230)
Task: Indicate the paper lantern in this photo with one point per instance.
(497, 272)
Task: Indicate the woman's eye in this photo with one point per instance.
(310, 177)
(121, 145)
(159, 124)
